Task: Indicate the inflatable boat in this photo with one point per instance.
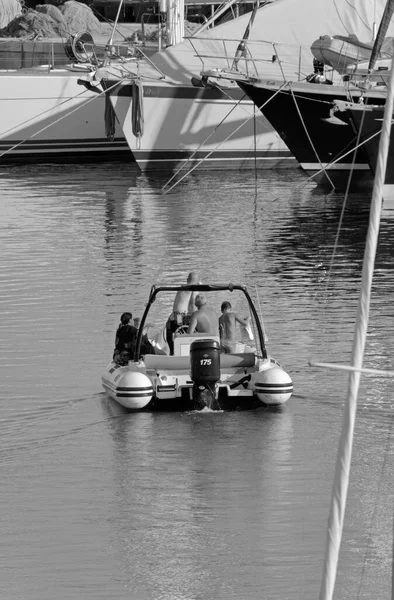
(198, 374)
(340, 51)
(349, 56)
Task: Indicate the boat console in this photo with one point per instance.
(183, 341)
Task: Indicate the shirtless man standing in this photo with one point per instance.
(228, 328)
(182, 307)
(204, 320)
(184, 300)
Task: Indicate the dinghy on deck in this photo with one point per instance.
(348, 55)
(199, 374)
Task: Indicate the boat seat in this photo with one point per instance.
(182, 342)
(182, 363)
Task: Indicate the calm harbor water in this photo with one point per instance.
(99, 503)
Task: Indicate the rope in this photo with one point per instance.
(304, 183)
(334, 252)
(309, 137)
(202, 144)
(164, 191)
(3, 133)
(54, 122)
(312, 99)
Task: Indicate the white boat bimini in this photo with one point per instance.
(198, 373)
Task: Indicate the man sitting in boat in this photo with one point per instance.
(228, 328)
(181, 310)
(204, 320)
(126, 335)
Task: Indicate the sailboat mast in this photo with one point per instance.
(382, 31)
(342, 468)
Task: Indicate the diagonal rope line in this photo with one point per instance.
(334, 252)
(309, 137)
(56, 121)
(333, 162)
(202, 144)
(165, 191)
(43, 113)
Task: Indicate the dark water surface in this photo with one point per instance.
(97, 503)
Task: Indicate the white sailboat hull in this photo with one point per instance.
(54, 117)
(185, 124)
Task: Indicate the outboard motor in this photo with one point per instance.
(205, 373)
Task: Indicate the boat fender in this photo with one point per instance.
(109, 118)
(137, 110)
(136, 388)
(273, 386)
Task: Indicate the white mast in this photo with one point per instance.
(342, 468)
(175, 21)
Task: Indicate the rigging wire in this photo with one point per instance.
(42, 113)
(333, 162)
(355, 9)
(165, 191)
(334, 252)
(309, 138)
(56, 121)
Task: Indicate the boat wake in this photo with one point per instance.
(204, 410)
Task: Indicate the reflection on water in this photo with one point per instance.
(99, 503)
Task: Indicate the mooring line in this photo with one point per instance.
(309, 137)
(57, 121)
(42, 113)
(333, 162)
(334, 252)
(202, 144)
(165, 191)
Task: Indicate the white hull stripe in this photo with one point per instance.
(210, 159)
(336, 167)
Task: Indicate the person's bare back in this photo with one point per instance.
(228, 327)
(204, 320)
(184, 300)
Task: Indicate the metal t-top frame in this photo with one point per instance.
(201, 287)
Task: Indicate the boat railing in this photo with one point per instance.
(50, 54)
(254, 58)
